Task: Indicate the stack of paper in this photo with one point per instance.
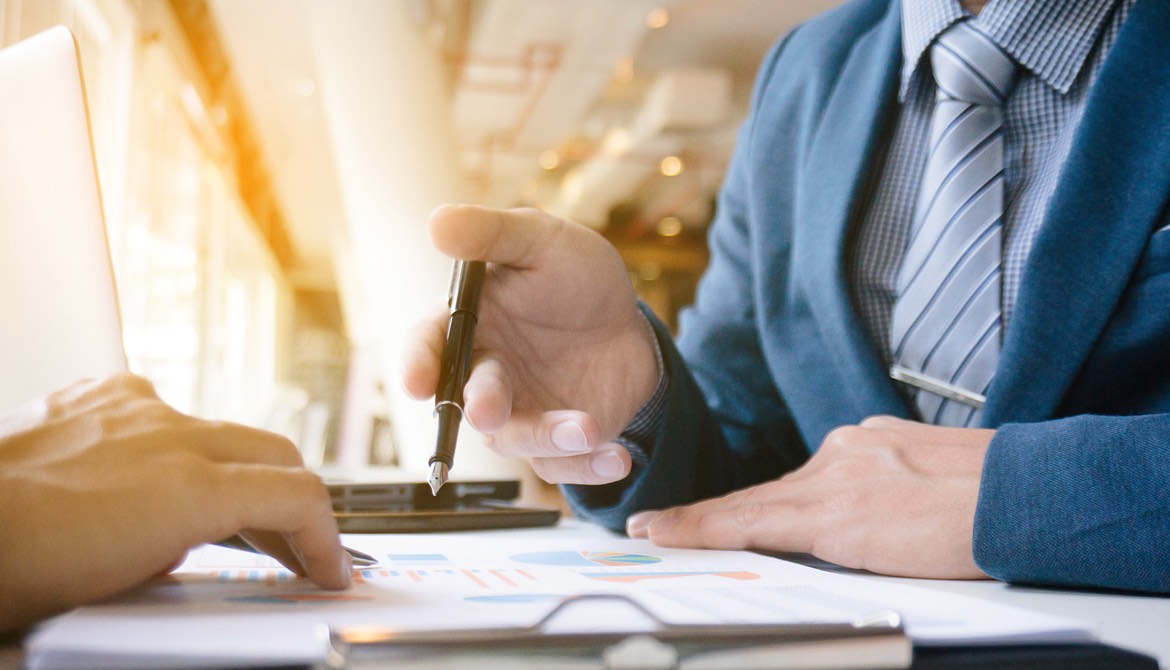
(229, 608)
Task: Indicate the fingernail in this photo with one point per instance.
(607, 464)
(569, 438)
(636, 524)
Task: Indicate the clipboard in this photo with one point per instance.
(876, 641)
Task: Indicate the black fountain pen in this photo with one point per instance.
(463, 301)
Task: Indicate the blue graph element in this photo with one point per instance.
(417, 558)
(587, 559)
(515, 599)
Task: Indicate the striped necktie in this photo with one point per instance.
(946, 325)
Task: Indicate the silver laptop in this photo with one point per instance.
(57, 297)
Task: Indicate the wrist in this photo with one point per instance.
(644, 424)
(653, 384)
(629, 377)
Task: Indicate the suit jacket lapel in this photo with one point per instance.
(1110, 194)
(845, 148)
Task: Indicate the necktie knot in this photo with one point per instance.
(970, 67)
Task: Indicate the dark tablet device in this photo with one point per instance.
(392, 495)
(482, 514)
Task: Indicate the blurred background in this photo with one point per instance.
(267, 167)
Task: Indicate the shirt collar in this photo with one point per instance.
(1056, 52)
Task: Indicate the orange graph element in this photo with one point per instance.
(475, 578)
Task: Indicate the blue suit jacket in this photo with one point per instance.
(772, 356)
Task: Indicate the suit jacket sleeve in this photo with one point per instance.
(1082, 501)
(724, 424)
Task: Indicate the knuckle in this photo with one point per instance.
(263, 447)
(137, 384)
(531, 212)
(320, 491)
(158, 411)
(189, 473)
(526, 439)
(710, 530)
(840, 438)
(284, 450)
(750, 515)
(308, 488)
(495, 443)
(126, 386)
(56, 405)
(565, 470)
(60, 403)
(878, 421)
(304, 482)
(542, 469)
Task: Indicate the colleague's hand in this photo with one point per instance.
(102, 485)
(890, 496)
(563, 357)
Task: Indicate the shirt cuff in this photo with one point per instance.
(639, 436)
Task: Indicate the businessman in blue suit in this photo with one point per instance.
(797, 411)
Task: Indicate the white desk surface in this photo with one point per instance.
(1139, 623)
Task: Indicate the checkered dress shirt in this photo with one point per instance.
(1060, 46)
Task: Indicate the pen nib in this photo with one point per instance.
(438, 477)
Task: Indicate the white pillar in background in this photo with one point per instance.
(388, 116)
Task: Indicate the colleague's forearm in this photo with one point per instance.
(1083, 501)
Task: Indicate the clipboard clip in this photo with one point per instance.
(875, 641)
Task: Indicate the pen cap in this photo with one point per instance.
(466, 282)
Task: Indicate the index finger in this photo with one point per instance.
(289, 501)
(758, 517)
(225, 442)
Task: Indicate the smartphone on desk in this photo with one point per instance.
(400, 504)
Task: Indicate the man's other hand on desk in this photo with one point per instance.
(102, 485)
(890, 496)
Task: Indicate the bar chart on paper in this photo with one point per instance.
(476, 572)
(515, 579)
(227, 565)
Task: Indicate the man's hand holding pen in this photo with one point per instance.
(563, 357)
